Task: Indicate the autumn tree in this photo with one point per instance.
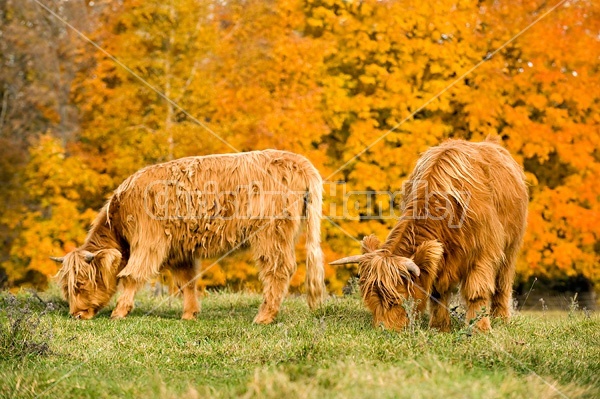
(185, 78)
(401, 79)
(37, 65)
(147, 96)
(360, 88)
(58, 188)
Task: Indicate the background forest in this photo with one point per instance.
(324, 78)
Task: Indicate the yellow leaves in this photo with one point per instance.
(531, 179)
(541, 110)
(556, 98)
(537, 100)
(560, 235)
(538, 149)
(45, 236)
(323, 12)
(326, 79)
(315, 22)
(368, 80)
(395, 83)
(370, 177)
(59, 185)
(436, 68)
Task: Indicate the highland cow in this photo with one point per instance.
(464, 214)
(170, 215)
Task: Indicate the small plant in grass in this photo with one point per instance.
(469, 328)
(22, 330)
(544, 306)
(352, 288)
(457, 313)
(573, 306)
(410, 307)
(587, 312)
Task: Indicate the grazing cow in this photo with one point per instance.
(172, 214)
(464, 216)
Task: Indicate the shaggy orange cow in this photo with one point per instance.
(172, 214)
(464, 216)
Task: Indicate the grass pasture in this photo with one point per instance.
(334, 352)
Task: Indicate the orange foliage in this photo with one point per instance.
(327, 78)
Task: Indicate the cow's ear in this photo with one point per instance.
(370, 243)
(428, 257)
(109, 261)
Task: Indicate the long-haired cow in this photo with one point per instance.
(464, 216)
(172, 214)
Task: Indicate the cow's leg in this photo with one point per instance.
(440, 314)
(477, 290)
(146, 260)
(501, 299)
(276, 266)
(185, 279)
(125, 302)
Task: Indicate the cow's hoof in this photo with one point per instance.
(263, 319)
(440, 327)
(189, 316)
(118, 314)
(484, 325)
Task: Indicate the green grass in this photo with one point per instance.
(334, 352)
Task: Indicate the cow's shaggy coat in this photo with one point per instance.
(464, 216)
(172, 214)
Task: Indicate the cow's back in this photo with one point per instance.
(212, 203)
(484, 203)
(508, 188)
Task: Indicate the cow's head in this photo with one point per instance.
(88, 280)
(388, 280)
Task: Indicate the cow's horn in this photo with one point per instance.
(413, 268)
(88, 256)
(59, 260)
(346, 260)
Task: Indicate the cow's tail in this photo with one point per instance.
(315, 273)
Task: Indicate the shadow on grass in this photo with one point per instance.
(237, 309)
(244, 311)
